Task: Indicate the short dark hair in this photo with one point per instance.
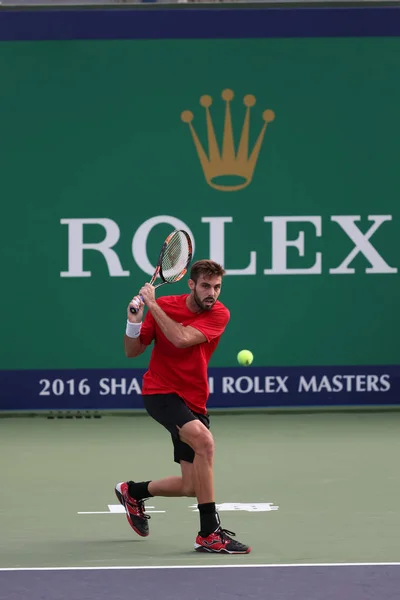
(208, 268)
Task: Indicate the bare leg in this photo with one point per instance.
(203, 479)
(175, 486)
(198, 437)
(197, 478)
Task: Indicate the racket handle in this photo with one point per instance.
(134, 310)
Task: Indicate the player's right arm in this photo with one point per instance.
(134, 337)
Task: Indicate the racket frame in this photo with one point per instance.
(158, 270)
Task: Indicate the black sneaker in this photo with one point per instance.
(219, 541)
(135, 511)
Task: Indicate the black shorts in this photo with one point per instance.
(170, 410)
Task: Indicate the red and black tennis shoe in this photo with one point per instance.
(221, 542)
(135, 511)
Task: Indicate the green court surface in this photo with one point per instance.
(330, 483)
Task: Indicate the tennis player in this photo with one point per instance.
(186, 330)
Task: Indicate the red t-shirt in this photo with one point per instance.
(182, 371)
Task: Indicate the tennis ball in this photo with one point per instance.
(245, 358)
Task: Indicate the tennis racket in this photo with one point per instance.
(174, 260)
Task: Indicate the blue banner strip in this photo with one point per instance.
(180, 23)
(238, 387)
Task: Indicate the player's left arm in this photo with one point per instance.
(179, 335)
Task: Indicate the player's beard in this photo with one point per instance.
(200, 303)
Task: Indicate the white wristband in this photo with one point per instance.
(133, 329)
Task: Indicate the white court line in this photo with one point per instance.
(269, 566)
(116, 509)
(108, 512)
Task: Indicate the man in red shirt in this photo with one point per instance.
(186, 330)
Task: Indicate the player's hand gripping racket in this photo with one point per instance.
(174, 260)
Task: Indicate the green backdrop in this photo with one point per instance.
(93, 130)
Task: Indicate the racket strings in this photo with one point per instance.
(175, 257)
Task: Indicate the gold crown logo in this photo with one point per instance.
(229, 162)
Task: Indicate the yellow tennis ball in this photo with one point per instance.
(245, 358)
